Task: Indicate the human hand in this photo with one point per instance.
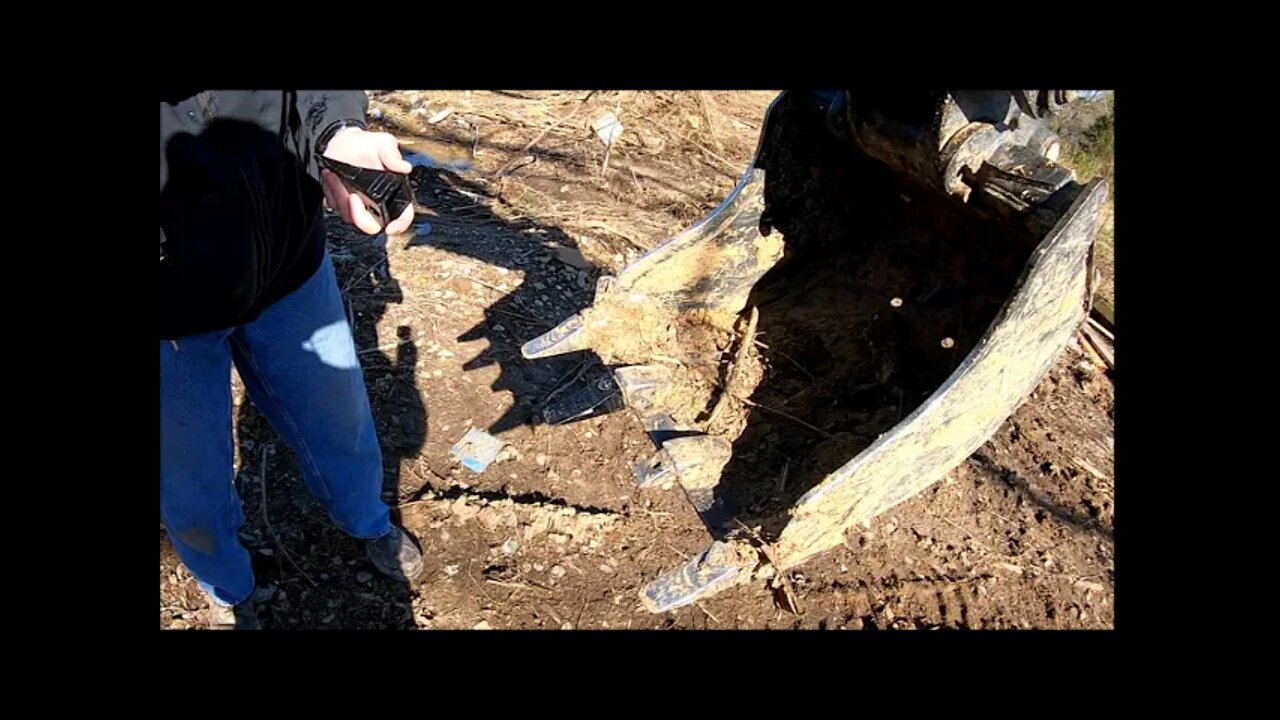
(374, 150)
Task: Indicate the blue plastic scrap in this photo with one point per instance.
(476, 450)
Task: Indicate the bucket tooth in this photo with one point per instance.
(597, 396)
(702, 276)
(569, 336)
(642, 388)
(657, 470)
(696, 463)
(640, 385)
(721, 566)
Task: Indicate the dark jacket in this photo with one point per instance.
(241, 219)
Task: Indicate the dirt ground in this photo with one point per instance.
(530, 208)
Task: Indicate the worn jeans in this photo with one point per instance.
(298, 362)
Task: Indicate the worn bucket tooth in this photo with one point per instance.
(702, 276)
(721, 566)
(655, 471)
(696, 460)
(641, 387)
(572, 335)
(598, 395)
(661, 427)
(569, 336)
(696, 463)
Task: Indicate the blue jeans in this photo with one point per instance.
(298, 362)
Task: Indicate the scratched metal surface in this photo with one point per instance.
(1031, 329)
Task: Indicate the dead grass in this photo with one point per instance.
(679, 155)
(1088, 134)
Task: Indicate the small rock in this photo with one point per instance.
(266, 551)
(1010, 568)
(462, 510)
(604, 568)
(364, 577)
(948, 343)
(1089, 586)
(573, 258)
(541, 459)
(567, 626)
(510, 547)
(896, 302)
(179, 625)
(855, 624)
(558, 538)
(173, 579)
(557, 571)
(452, 570)
(482, 625)
(539, 567)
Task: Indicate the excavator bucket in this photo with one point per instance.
(886, 283)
